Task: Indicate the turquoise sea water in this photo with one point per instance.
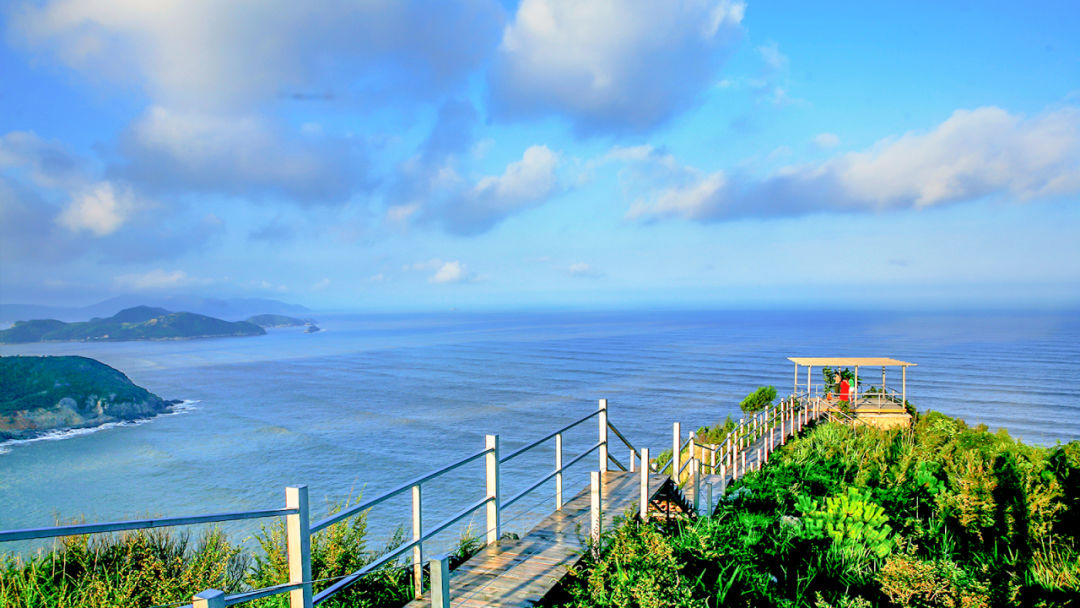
(375, 400)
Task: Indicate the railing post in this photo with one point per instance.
(695, 474)
(211, 598)
(643, 498)
(491, 466)
(439, 567)
(603, 436)
(418, 548)
(633, 465)
(676, 447)
(709, 499)
(298, 545)
(723, 479)
(558, 472)
(712, 457)
(595, 513)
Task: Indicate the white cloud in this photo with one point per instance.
(524, 184)
(524, 181)
(611, 66)
(826, 140)
(774, 60)
(240, 154)
(583, 270)
(972, 154)
(450, 272)
(158, 279)
(321, 284)
(100, 209)
(203, 53)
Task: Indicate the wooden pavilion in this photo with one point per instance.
(879, 406)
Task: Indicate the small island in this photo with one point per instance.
(272, 321)
(41, 394)
(138, 323)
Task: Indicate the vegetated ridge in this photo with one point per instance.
(138, 323)
(269, 320)
(40, 394)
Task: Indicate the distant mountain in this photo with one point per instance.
(279, 321)
(137, 323)
(39, 394)
(232, 309)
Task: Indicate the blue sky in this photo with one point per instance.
(548, 153)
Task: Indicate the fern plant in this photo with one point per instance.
(850, 520)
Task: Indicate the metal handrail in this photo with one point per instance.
(367, 504)
(355, 576)
(137, 524)
(550, 475)
(525, 448)
(612, 458)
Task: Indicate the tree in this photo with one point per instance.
(758, 399)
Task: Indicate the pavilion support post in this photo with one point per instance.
(903, 384)
(795, 390)
(855, 393)
(808, 368)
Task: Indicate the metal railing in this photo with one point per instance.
(299, 528)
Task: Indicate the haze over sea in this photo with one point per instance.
(375, 400)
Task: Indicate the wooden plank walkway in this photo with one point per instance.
(521, 572)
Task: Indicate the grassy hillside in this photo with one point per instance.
(938, 515)
(29, 383)
(277, 321)
(138, 323)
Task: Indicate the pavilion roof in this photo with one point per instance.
(849, 361)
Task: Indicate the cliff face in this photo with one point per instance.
(40, 394)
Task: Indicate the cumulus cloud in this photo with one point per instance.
(100, 209)
(525, 184)
(618, 66)
(174, 151)
(972, 154)
(158, 279)
(450, 272)
(206, 54)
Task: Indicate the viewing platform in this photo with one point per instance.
(877, 406)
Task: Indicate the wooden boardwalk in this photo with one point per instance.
(521, 572)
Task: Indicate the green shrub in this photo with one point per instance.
(758, 400)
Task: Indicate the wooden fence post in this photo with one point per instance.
(676, 447)
(491, 462)
(418, 548)
(643, 499)
(439, 567)
(558, 472)
(595, 513)
(603, 436)
(298, 545)
(211, 598)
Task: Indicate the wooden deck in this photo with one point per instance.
(521, 572)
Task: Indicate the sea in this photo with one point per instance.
(375, 400)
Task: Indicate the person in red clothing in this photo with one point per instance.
(843, 388)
